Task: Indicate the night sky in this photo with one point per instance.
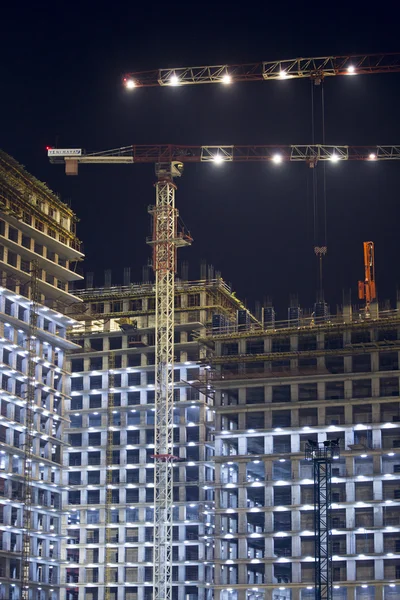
(62, 65)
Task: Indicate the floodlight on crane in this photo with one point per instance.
(314, 68)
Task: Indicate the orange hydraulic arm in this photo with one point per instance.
(366, 288)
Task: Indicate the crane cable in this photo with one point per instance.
(319, 212)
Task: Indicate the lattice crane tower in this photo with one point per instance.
(165, 241)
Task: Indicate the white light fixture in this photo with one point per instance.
(277, 159)
(372, 156)
(351, 70)
(334, 158)
(227, 79)
(282, 74)
(130, 84)
(218, 159)
(173, 80)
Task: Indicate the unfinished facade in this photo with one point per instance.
(35, 228)
(110, 540)
(276, 389)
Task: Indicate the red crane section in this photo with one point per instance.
(168, 153)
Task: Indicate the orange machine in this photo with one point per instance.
(366, 288)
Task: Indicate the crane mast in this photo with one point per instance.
(165, 241)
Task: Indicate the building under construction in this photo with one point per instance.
(77, 467)
(38, 249)
(279, 388)
(110, 458)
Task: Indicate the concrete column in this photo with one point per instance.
(348, 389)
(378, 516)
(377, 490)
(268, 393)
(296, 572)
(379, 573)
(294, 392)
(350, 491)
(295, 440)
(376, 435)
(295, 520)
(351, 570)
(376, 408)
(296, 494)
(295, 417)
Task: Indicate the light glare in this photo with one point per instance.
(282, 74)
(218, 159)
(334, 158)
(277, 158)
(227, 79)
(130, 84)
(351, 70)
(173, 80)
(372, 156)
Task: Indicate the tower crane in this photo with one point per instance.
(169, 161)
(316, 69)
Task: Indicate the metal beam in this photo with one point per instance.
(219, 154)
(315, 68)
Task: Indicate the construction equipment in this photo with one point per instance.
(29, 434)
(367, 288)
(169, 153)
(322, 454)
(165, 240)
(315, 69)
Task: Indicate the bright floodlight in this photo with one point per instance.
(282, 74)
(277, 158)
(372, 156)
(351, 70)
(218, 159)
(334, 158)
(130, 84)
(227, 79)
(173, 80)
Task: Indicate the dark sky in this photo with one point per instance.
(62, 65)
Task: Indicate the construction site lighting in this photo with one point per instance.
(282, 74)
(130, 84)
(218, 159)
(334, 158)
(277, 159)
(227, 79)
(351, 70)
(372, 156)
(174, 80)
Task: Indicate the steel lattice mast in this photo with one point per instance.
(322, 454)
(165, 241)
(315, 68)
